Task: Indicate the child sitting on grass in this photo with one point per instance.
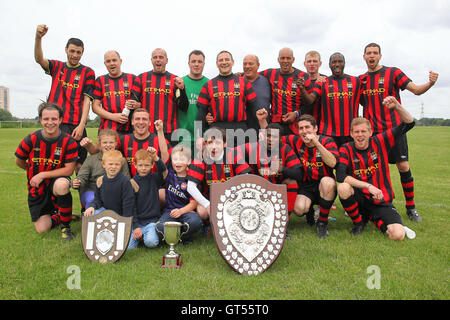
(113, 190)
(180, 206)
(146, 186)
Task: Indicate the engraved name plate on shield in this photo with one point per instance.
(249, 217)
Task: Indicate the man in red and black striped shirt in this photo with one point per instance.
(312, 64)
(48, 156)
(113, 96)
(378, 83)
(141, 138)
(161, 93)
(339, 101)
(363, 172)
(273, 160)
(286, 96)
(71, 89)
(218, 165)
(227, 97)
(318, 155)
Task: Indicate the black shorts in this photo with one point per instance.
(310, 189)
(43, 204)
(384, 213)
(82, 152)
(399, 151)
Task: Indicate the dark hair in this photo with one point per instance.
(49, 106)
(372, 44)
(224, 51)
(309, 118)
(216, 133)
(76, 42)
(337, 54)
(277, 126)
(196, 52)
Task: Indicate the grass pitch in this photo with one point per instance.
(41, 266)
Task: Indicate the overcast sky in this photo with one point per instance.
(414, 36)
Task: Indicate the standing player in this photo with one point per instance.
(312, 64)
(363, 172)
(318, 155)
(161, 93)
(339, 100)
(378, 83)
(227, 97)
(71, 89)
(193, 83)
(112, 95)
(286, 96)
(48, 156)
(260, 85)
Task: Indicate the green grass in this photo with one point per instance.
(34, 266)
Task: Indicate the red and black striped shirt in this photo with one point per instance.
(339, 103)
(69, 86)
(372, 165)
(263, 161)
(128, 144)
(205, 173)
(286, 96)
(314, 168)
(375, 87)
(113, 93)
(227, 98)
(161, 97)
(44, 154)
(314, 109)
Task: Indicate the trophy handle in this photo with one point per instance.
(187, 225)
(159, 231)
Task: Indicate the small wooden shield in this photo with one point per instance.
(105, 236)
(249, 217)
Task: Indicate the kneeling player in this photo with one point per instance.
(49, 156)
(273, 160)
(318, 155)
(363, 171)
(219, 164)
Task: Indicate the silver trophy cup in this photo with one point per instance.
(172, 235)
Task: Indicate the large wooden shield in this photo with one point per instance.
(249, 218)
(105, 236)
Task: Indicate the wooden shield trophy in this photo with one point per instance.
(105, 236)
(249, 217)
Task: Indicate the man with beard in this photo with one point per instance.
(71, 88)
(378, 83)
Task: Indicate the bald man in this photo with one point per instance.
(113, 98)
(261, 86)
(286, 97)
(161, 93)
